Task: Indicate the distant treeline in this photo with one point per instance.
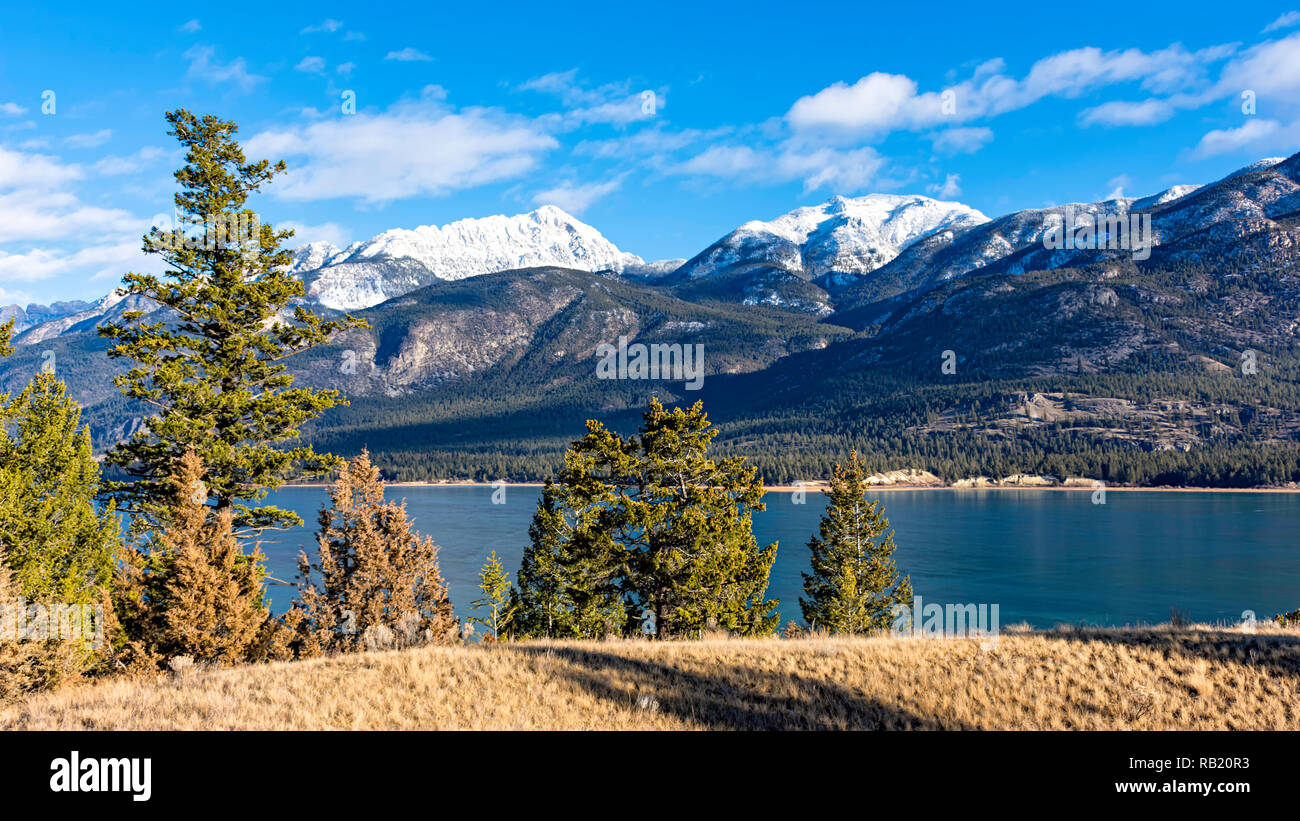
(952, 430)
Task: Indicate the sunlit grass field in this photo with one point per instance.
(1194, 678)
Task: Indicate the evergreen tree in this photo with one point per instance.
(668, 530)
(559, 591)
(61, 549)
(540, 601)
(379, 584)
(854, 584)
(213, 366)
(26, 665)
(29, 665)
(494, 584)
(190, 590)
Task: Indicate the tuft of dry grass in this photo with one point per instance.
(1172, 677)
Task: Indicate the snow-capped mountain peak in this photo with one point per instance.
(844, 235)
(401, 260)
(314, 255)
(1267, 162)
(1168, 195)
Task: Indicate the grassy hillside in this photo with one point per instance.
(1155, 678)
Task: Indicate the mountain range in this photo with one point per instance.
(823, 329)
(398, 261)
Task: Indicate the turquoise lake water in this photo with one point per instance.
(1044, 557)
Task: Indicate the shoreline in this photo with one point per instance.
(821, 487)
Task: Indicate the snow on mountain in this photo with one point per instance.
(944, 255)
(402, 260)
(1267, 162)
(1168, 195)
(114, 304)
(35, 314)
(315, 255)
(653, 270)
(1260, 190)
(906, 242)
(841, 236)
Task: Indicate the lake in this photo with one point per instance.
(1044, 557)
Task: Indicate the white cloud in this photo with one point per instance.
(100, 261)
(840, 170)
(21, 170)
(1291, 18)
(876, 103)
(346, 68)
(950, 189)
(628, 109)
(113, 166)
(414, 148)
(961, 140)
(1268, 72)
(880, 103)
(204, 66)
(311, 65)
(330, 232)
(1257, 136)
(843, 171)
(1117, 186)
(12, 109)
(37, 207)
(576, 198)
(1271, 70)
(1073, 72)
(1120, 112)
(12, 297)
(28, 215)
(408, 55)
(327, 25)
(563, 84)
(652, 142)
(89, 140)
(191, 27)
(722, 161)
(825, 131)
(612, 103)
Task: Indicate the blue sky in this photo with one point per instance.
(479, 109)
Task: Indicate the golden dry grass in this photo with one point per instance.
(1157, 678)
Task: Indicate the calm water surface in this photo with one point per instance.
(1045, 557)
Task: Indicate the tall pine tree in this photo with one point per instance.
(560, 590)
(60, 547)
(854, 584)
(212, 367)
(666, 530)
(56, 550)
